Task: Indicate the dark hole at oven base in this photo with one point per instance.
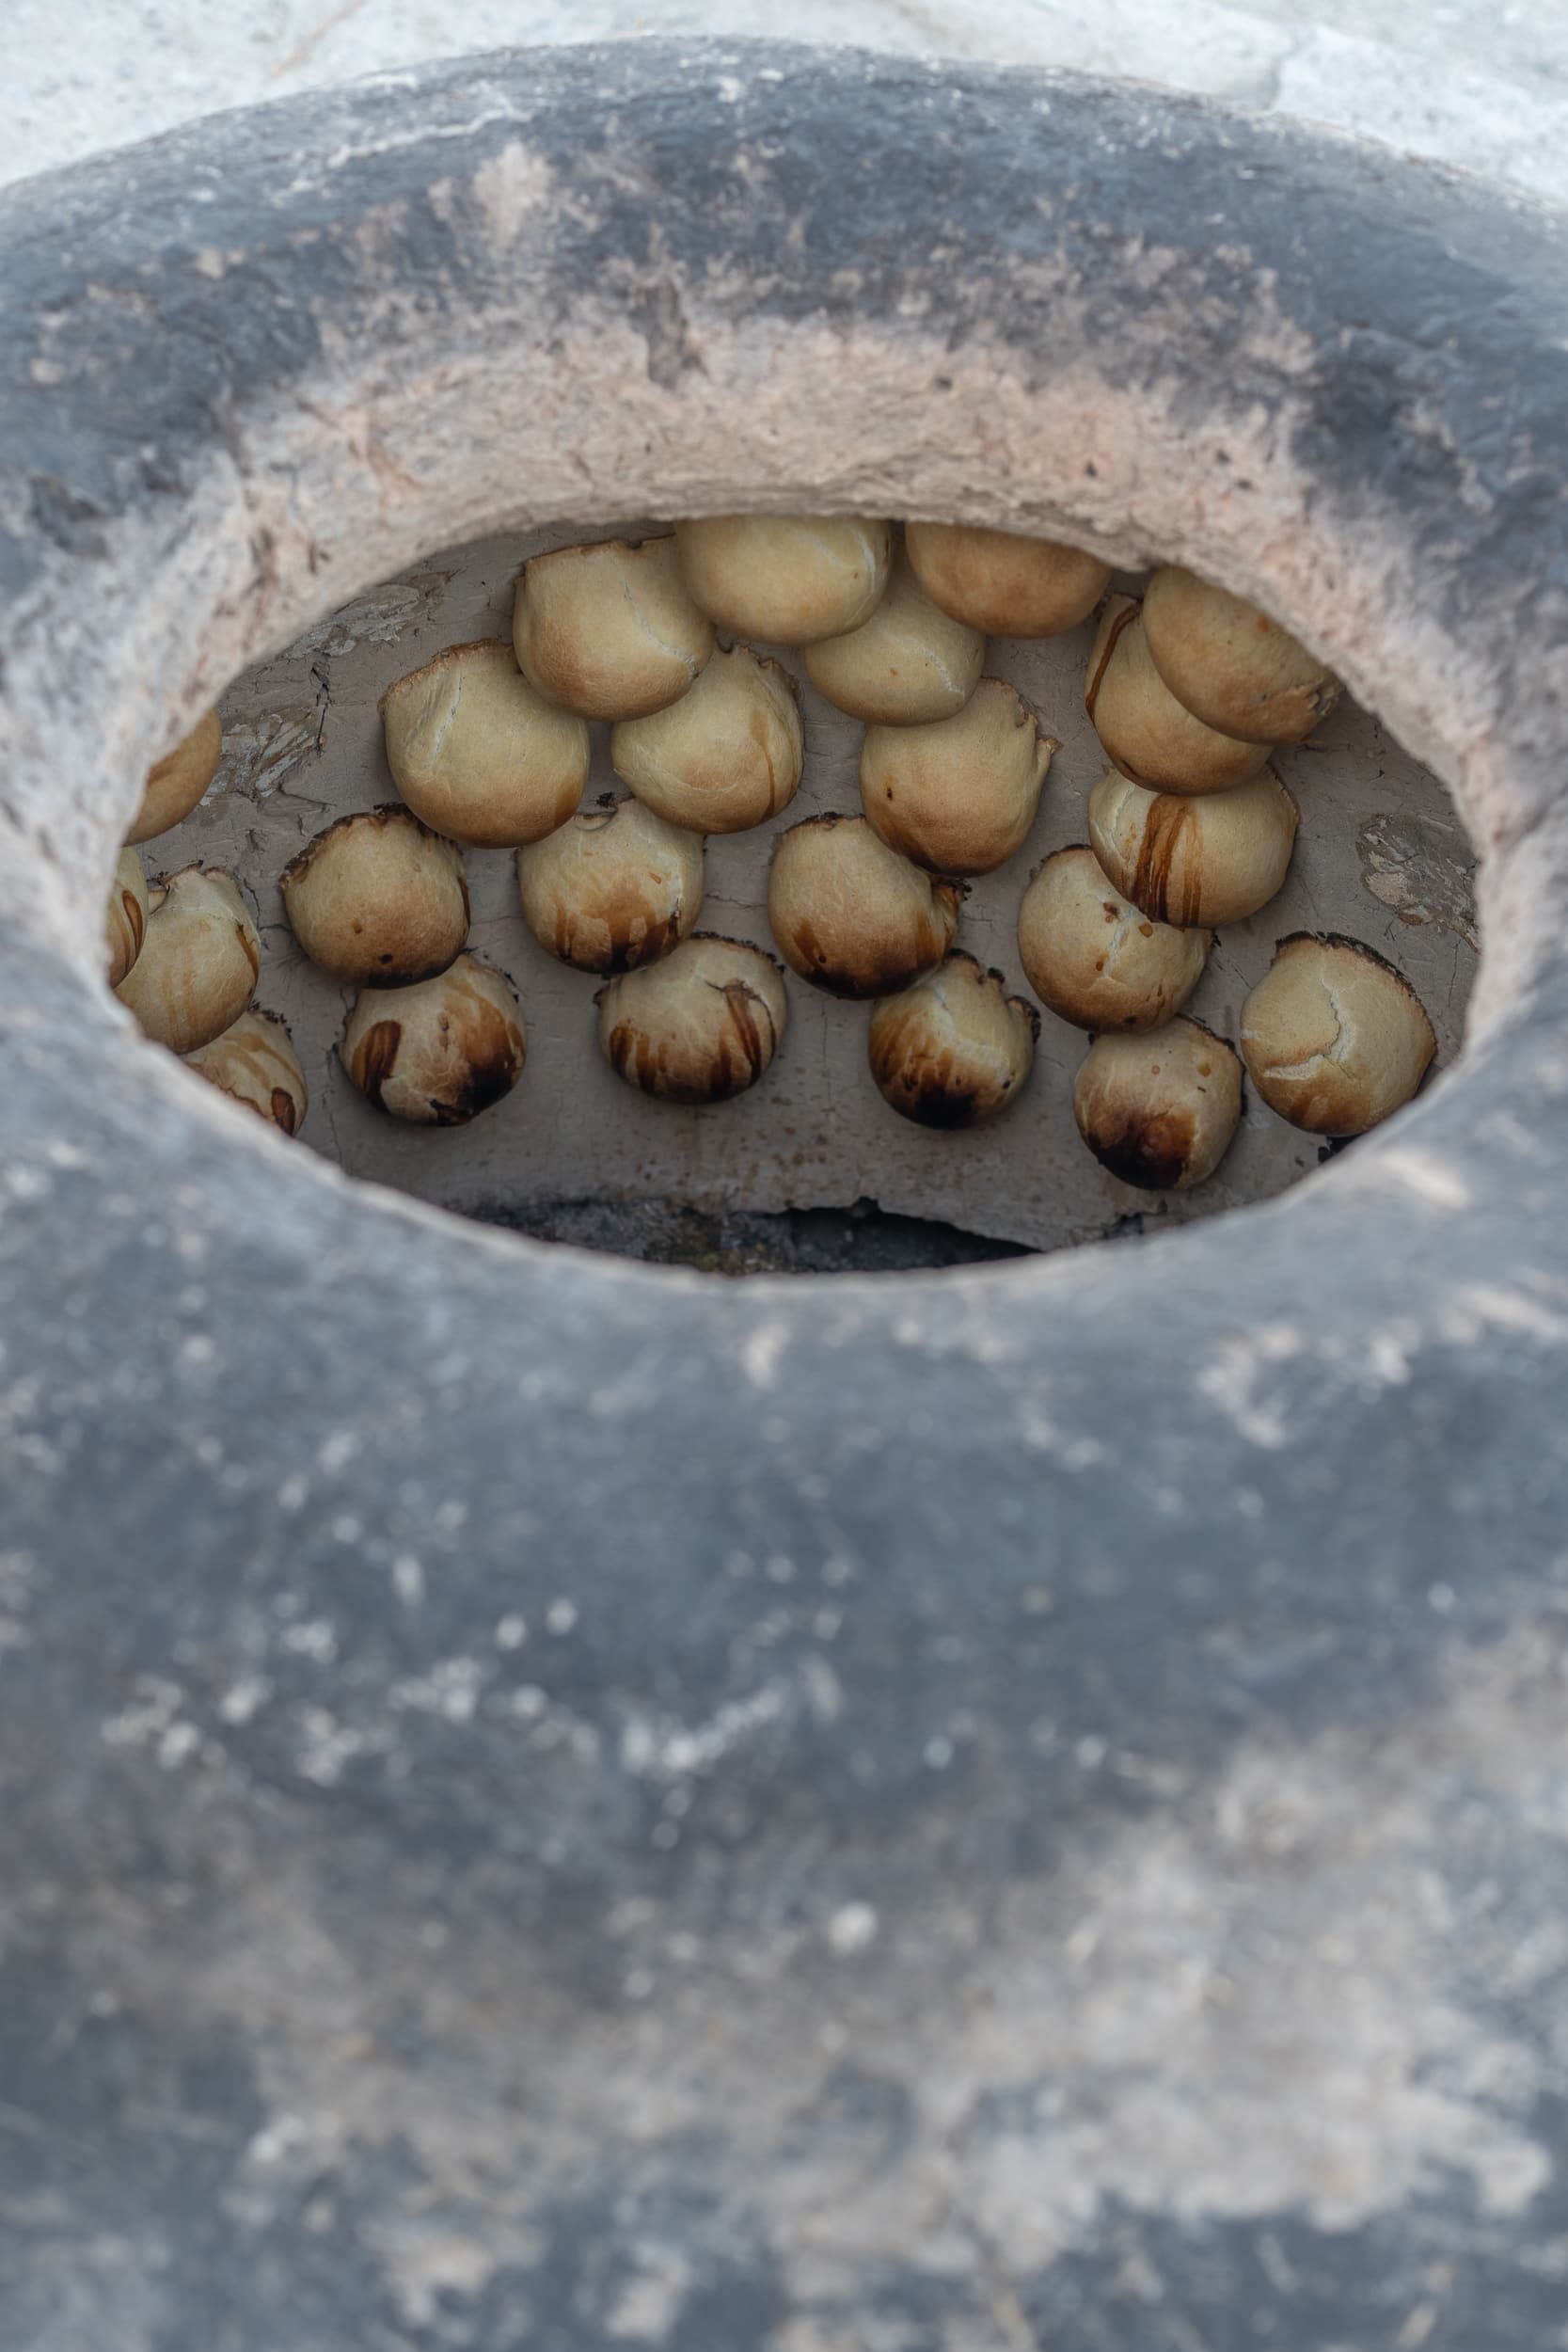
(863, 1239)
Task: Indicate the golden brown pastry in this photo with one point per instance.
(1093, 957)
(910, 663)
(255, 1062)
(1229, 664)
(177, 781)
(608, 631)
(787, 580)
(1185, 860)
(851, 915)
(1159, 1109)
(613, 887)
(378, 899)
(959, 796)
(1334, 1039)
(477, 753)
(1141, 725)
(698, 1026)
(125, 917)
(1001, 582)
(954, 1048)
(441, 1052)
(200, 958)
(724, 757)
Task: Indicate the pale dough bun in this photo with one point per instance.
(611, 888)
(787, 580)
(1096, 960)
(477, 753)
(958, 796)
(910, 663)
(850, 914)
(608, 631)
(1159, 1109)
(1003, 584)
(953, 1048)
(1141, 725)
(125, 917)
(177, 781)
(439, 1053)
(1217, 859)
(724, 758)
(698, 1026)
(255, 1062)
(378, 899)
(200, 958)
(1232, 666)
(1334, 1039)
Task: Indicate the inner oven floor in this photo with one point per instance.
(575, 1155)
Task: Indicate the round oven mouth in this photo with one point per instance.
(810, 1169)
(520, 346)
(510, 375)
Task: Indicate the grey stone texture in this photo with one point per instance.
(557, 1805)
(1482, 84)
